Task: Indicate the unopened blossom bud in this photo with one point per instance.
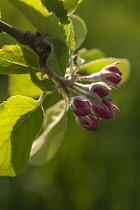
(89, 122)
(100, 88)
(112, 68)
(105, 113)
(80, 106)
(110, 74)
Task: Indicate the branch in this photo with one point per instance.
(32, 40)
(23, 37)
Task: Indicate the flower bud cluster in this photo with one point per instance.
(94, 102)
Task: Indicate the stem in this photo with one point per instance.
(42, 97)
(23, 37)
(95, 77)
(82, 86)
(71, 63)
(78, 90)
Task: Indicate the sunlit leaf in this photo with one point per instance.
(34, 11)
(71, 5)
(46, 145)
(21, 84)
(43, 20)
(17, 60)
(20, 120)
(71, 41)
(58, 9)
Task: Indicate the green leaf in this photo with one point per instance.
(58, 9)
(44, 21)
(6, 39)
(17, 60)
(59, 57)
(80, 30)
(44, 85)
(71, 41)
(4, 83)
(71, 5)
(34, 11)
(97, 65)
(46, 145)
(21, 120)
(90, 55)
(22, 85)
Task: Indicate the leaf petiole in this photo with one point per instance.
(41, 98)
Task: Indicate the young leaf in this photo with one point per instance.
(46, 145)
(21, 119)
(44, 85)
(34, 11)
(21, 84)
(58, 9)
(90, 55)
(71, 41)
(80, 30)
(59, 57)
(71, 5)
(97, 65)
(17, 60)
(43, 20)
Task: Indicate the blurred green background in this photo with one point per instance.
(91, 171)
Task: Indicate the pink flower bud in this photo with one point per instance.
(89, 122)
(107, 112)
(80, 106)
(113, 68)
(113, 79)
(100, 88)
(110, 74)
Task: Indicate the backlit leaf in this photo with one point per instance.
(20, 121)
(43, 20)
(17, 60)
(71, 5)
(46, 145)
(21, 84)
(58, 9)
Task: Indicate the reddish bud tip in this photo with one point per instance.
(105, 113)
(112, 68)
(80, 106)
(113, 80)
(100, 88)
(89, 122)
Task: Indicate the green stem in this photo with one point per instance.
(42, 97)
(71, 63)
